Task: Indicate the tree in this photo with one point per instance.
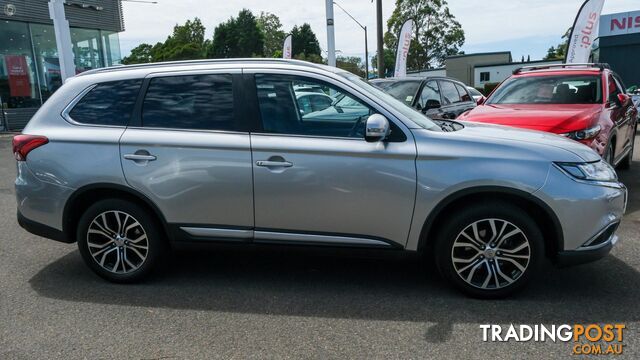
(353, 64)
(271, 28)
(305, 44)
(185, 43)
(559, 52)
(389, 61)
(140, 54)
(437, 33)
(238, 37)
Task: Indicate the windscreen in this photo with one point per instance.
(549, 89)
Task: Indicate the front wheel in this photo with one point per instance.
(608, 155)
(490, 250)
(119, 240)
(625, 164)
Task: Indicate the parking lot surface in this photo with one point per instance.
(272, 302)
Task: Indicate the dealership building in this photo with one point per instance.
(619, 45)
(29, 65)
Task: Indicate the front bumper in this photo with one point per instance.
(596, 248)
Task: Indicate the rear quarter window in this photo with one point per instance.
(109, 103)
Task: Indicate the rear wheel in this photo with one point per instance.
(119, 240)
(490, 250)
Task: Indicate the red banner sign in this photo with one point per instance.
(18, 75)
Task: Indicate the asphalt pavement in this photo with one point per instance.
(273, 302)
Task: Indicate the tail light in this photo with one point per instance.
(23, 144)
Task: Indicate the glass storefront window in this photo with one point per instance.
(18, 82)
(29, 63)
(46, 56)
(87, 49)
(111, 45)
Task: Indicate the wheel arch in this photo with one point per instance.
(83, 197)
(540, 212)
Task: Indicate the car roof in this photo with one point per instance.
(415, 78)
(562, 69)
(552, 72)
(169, 66)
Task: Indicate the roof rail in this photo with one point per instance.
(198, 62)
(601, 66)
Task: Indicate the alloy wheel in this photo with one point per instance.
(491, 254)
(117, 242)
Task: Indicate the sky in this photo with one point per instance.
(524, 27)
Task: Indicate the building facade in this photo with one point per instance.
(497, 73)
(619, 45)
(462, 67)
(29, 66)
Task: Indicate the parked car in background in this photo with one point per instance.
(636, 101)
(436, 97)
(131, 161)
(478, 97)
(309, 102)
(586, 103)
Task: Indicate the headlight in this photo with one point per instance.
(585, 134)
(595, 171)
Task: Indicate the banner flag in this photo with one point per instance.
(584, 32)
(287, 50)
(404, 42)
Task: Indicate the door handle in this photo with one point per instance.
(267, 163)
(140, 157)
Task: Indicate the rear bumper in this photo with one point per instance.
(42, 230)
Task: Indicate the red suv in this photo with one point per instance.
(585, 102)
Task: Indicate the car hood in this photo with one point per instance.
(509, 142)
(555, 118)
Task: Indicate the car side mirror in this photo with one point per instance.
(480, 101)
(432, 104)
(623, 99)
(376, 128)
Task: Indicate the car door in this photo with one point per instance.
(627, 119)
(430, 100)
(316, 180)
(466, 100)
(620, 117)
(450, 100)
(190, 154)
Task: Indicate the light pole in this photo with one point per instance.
(366, 46)
(380, 43)
(331, 37)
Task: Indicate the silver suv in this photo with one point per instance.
(131, 161)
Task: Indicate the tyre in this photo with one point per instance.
(490, 250)
(120, 241)
(625, 164)
(609, 155)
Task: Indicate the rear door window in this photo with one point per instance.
(109, 104)
(430, 95)
(195, 102)
(464, 94)
(449, 93)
